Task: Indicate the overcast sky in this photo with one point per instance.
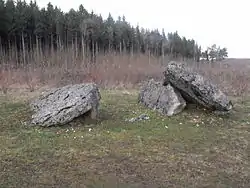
(224, 22)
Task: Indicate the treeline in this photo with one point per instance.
(28, 28)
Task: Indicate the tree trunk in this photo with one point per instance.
(171, 51)
(9, 48)
(65, 39)
(162, 53)
(83, 49)
(132, 50)
(37, 50)
(147, 50)
(72, 49)
(58, 48)
(207, 56)
(87, 49)
(124, 46)
(149, 57)
(40, 48)
(109, 47)
(52, 44)
(16, 50)
(96, 49)
(76, 44)
(93, 51)
(31, 48)
(24, 51)
(120, 47)
(60, 42)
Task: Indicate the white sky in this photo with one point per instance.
(224, 22)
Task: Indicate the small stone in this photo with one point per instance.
(143, 117)
(132, 120)
(139, 118)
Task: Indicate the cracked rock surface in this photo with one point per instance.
(164, 99)
(195, 88)
(60, 106)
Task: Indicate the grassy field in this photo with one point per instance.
(192, 149)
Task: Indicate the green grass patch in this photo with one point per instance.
(192, 149)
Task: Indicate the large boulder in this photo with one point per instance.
(196, 88)
(60, 106)
(164, 99)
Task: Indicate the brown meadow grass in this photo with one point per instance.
(112, 71)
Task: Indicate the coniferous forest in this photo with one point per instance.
(29, 29)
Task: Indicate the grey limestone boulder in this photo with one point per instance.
(60, 106)
(194, 87)
(164, 99)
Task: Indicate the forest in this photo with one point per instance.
(26, 30)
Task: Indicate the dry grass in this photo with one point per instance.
(113, 71)
(231, 75)
(161, 152)
(109, 71)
